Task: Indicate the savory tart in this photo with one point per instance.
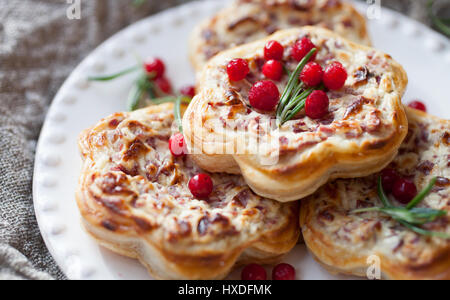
(135, 199)
(342, 239)
(246, 21)
(351, 127)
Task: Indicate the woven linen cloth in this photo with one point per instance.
(39, 46)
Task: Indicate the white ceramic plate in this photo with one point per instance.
(79, 104)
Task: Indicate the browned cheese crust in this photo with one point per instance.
(134, 199)
(342, 241)
(361, 134)
(246, 21)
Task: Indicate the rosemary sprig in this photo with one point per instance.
(143, 85)
(294, 95)
(410, 216)
(114, 76)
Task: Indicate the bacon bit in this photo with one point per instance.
(110, 225)
(361, 75)
(221, 219)
(135, 149)
(375, 122)
(442, 181)
(138, 128)
(377, 145)
(399, 246)
(114, 123)
(446, 138)
(301, 6)
(115, 184)
(326, 215)
(299, 127)
(241, 199)
(143, 224)
(357, 106)
(203, 225)
(347, 23)
(426, 167)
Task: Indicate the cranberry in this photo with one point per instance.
(388, 179)
(264, 95)
(273, 69)
(164, 85)
(302, 48)
(188, 91)
(283, 272)
(404, 190)
(312, 74)
(273, 50)
(201, 186)
(237, 69)
(156, 66)
(335, 76)
(418, 105)
(177, 145)
(316, 106)
(253, 272)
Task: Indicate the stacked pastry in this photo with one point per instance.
(291, 126)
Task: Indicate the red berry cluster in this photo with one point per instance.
(257, 272)
(312, 75)
(404, 190)
(273, 54)
(156, 69)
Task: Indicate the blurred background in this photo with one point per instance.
(39, 47)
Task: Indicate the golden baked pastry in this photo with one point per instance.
(134, 199)
(246, 21)
(342, 240)
(360, 136)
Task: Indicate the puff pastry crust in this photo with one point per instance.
(343, 241)
(133, 198)
(246, 21)
(360, 136)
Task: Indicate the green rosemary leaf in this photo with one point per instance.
(424, 232)
(298, 104)
(419, 198)
(177, 113)
(113, 76)
(293, 82)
